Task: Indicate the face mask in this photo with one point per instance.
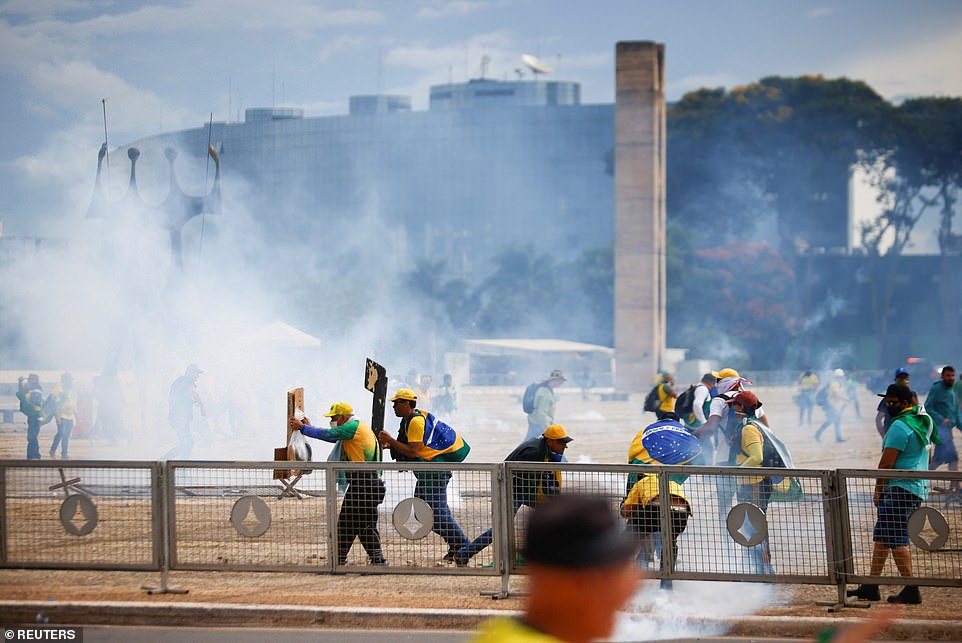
(333, 423)
(555, 457)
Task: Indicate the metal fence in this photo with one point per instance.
(771, 525)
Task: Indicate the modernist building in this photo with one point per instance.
(490, 163)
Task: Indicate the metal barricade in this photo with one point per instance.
(735, 530)
(413, 516)
(742, 524)
(80, 515)
(934, 526)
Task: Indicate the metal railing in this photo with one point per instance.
(768, 525)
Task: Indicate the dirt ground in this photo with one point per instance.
(492, 422)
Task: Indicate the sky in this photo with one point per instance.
(162, 66)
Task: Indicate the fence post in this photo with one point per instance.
(330, 518)
(3, 516)
(667, 563)
(502, 527)
(163, 516)
(838, 538)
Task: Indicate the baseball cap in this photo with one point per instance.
(193, 369)
(898, 391)
(576, 532)
(405, 394)
(557, 374)
(557, 432)
(900, 372)
(745, 398)
(339, 408)
(725, 372)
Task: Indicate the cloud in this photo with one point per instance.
(675, 89)
(336, 46)
(444, 9)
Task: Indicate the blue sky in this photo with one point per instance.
(169, 65)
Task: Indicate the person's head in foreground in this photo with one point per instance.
(581, 570)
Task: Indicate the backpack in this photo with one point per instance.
(684, 405)
(821, 397)
(770, 455)
(527, 400)
(438, 435)
(652, 401)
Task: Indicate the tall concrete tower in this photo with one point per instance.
(639, 213)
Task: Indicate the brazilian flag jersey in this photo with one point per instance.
(412, 431)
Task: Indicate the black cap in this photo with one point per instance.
(898, 391)
(577, 531)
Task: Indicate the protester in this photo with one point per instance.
(642, 508)
(805, 397)
(365, 489)
(447, 398)
(423, 391)
(528, 488)
(748, 445)
(30, 395)
(64, 409)
(832, 398)
(542, 412)
(181, 401)
(581, 572)
(906, 445)
(721, 425)
(663, 397)
(942, 405)
(431, 486)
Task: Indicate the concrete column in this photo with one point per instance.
(639, 213)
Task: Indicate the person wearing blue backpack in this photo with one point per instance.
(423, 438)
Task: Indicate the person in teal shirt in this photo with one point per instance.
(907, 445)
(943, 406)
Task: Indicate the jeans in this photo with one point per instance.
(473, 548)
(33, 438)
(432, 488)
(759, 556)
(64, 429)
(185, 442)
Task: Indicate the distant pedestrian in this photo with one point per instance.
(446, 401)
(65, 408)
(30, 395)
(181, 401)
(542, 409)
(805, 396)
(661, 398)
(942, 405)
(832, 398)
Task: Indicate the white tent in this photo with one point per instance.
(281, 334)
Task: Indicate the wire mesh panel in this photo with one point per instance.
(433, 518)
(238, 516)
(760, 524)
(765, 526)
(88, 515)
(918, 513)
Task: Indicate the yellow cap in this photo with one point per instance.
(339, 408)
(557, 432)
(726, 372)
(405, 394)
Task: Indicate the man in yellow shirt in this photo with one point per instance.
(581, 572)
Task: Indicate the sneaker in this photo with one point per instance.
(865, 592)
(909, 595)
(379, 563)
(460, 561)
(451, 555)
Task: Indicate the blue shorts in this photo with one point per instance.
(945, 452)
(894, 508)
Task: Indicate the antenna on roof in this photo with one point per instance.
(536, 65)
(485, 61)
